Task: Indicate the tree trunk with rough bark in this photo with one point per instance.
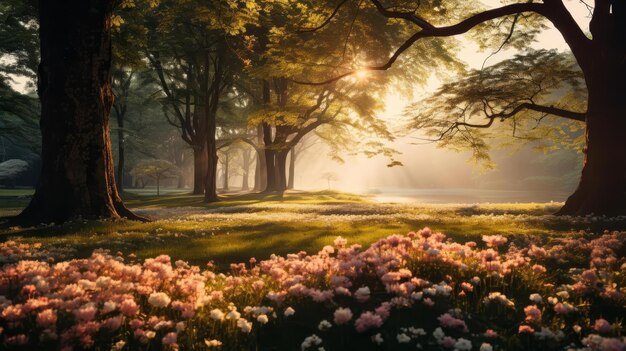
(260, 175)
(121, 151)
(77, 176)
(602, 187)
(292, 168)
(281, 170)
(245, 155)
(199, 170)
(225, 169)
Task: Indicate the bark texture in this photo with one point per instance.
(602, 187)
(77, 176)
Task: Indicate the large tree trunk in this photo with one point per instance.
(211, 106)
(226, 170)
(245, 155)
(602, 187)
(199, 170)
(260, 174)
(270, 171)
(77, 176)
(281, 170)
(292, 168)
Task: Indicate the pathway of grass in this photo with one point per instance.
(247, 225)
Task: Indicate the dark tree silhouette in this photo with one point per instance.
(77, 177)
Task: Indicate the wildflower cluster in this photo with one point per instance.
(418, 290)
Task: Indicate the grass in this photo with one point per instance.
(246, 225)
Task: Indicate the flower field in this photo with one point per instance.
(416, 291)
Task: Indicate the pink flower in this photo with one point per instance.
(490, 333)
(342, 316)
(46, 318)
(448, 342)
(446, 320)
(539, 268)
(86, 313)
(494, 240)
(526, 329)
(113, 323)
(383, 310)
(169, 338)
(368, 320)
(602, 326)
(563, 308)
(467, 287)
(533, 314)
(129, 307)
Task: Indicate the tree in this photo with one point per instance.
(121, 89)
(330, 176)
(77, 177)
(290, 47)
(192, 47)
(602, 187)
(157, 170)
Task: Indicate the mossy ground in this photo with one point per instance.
(254, 225)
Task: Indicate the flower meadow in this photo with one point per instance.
(416, 291)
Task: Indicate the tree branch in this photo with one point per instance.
(460, 28)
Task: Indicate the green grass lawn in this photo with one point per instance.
(246, 225)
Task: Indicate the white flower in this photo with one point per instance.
(216, 314)
(180, 327)
(417, 331)
(378, 339)
(324, 325)
(244, 325)
(563, 294)
(212, 343)
(262, 319)
(536, 298)
(289, 312)
(438, 333)
(362, 294)
(233, 315)
(150, 334)
(463, 345)
(159, 299)
(118, 345)
(403, 338)
(109, 306)
(309, 341)
(553, 300)
(417, 295)
(486, 347)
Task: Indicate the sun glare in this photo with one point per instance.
(361, 74)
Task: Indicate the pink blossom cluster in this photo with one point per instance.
(476, 296)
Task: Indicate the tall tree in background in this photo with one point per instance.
(77, 177)
(282, 57)
(600, 57)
